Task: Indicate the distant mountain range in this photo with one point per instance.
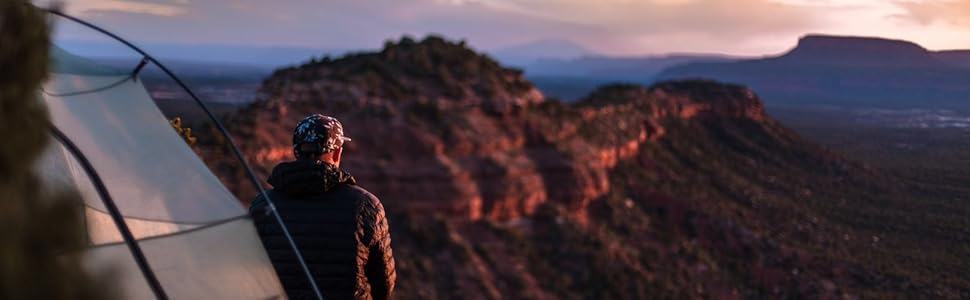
(264, 57)
(853, 72)
(193, 70)
(566, 70)
(954, 57)
(573, 78)
(529, 53)
(618, 68)
(561, 68)
(856, 72)
(520, 55)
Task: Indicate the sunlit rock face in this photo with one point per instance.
(473, 146)
(680, 190)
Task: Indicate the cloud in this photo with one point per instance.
(698, 16)
(628, 25)
(608, 26)
(90, 7)
(330, 23)
(954, 12)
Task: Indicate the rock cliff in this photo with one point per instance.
(684, 189)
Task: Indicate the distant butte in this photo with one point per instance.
(827, 49)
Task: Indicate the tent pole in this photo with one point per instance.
(225, 133)
(119, 220)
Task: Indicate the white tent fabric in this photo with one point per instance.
(217, 262)
(61, 169)
(195, 235)
(150, 171)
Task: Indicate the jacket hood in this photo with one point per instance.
(307, 177)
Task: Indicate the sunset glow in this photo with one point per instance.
(618, 27)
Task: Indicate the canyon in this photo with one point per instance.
(683, 189)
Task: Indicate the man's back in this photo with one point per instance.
(339, 227)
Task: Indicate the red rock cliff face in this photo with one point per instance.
(496, 156)
(682, 190)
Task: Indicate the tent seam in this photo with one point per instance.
(180, 232)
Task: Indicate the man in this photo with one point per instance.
(339, 227)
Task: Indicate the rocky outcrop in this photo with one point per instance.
(443, 130)
(685, 189)
(471, 162)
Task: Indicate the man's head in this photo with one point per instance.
(319, 137)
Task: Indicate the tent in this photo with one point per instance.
(193, 238)
(156, 216)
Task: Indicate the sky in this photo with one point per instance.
(612, 27)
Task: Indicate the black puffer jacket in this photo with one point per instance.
(339, 227)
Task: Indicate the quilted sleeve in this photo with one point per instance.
(380, 260)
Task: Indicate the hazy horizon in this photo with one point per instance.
(611, 27)
(277, 56)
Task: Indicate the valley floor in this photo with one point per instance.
(932, 210)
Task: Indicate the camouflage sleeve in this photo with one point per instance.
(380, 270)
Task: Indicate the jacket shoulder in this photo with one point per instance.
(364, 197)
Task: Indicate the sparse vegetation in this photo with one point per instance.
(434, 66)
(717, 201)
(184, 132)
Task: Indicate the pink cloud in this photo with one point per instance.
(954, 12)
(86, 7)
(609, 26)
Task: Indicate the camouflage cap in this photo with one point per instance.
(325, 132)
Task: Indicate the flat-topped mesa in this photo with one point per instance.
(845, 50)
(433, 71)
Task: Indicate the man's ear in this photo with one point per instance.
(336, 155)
